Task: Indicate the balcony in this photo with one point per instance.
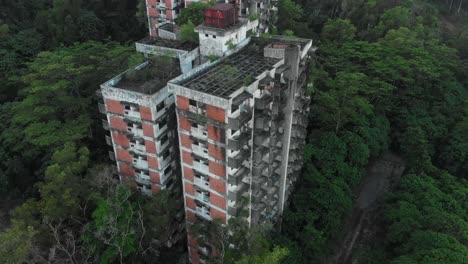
(237, 142)
(259, 181)
(135, 132)
(203, 212)
(140, 163)
(132, 114)
(108, 140)
(145, 190)
(201, 167)
(236, 123)
(105, 125)
(160, 130)
(199, 132)
(202, 183)
(111, 155)
(258, 196)
(237, 160)
(262, 121)
(236, 193)
(262, 103)
(142, 178)
(258, 169)
(237, 177)
(260, 138)
(234, 210)
(202, 197)
(200, 150)
(137, 147)
(197, 110)
(102, 108)
(260, 154)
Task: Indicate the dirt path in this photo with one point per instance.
(381, 176)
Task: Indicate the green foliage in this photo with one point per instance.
(188, 34)
(427, 219)
(15, 244)
(195, 13)
(125, 226)
(289, 14)
(274, 257)
(57, 105)
(63, 189)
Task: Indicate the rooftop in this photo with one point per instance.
(168, 43)
(239, 69)
(149, 77)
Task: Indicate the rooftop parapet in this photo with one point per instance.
(146, 78)
(241, 69)
(164, 47)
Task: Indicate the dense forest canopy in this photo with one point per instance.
(388, 75)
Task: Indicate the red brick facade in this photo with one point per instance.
(216, 152)
(190, 203)
(153, 163)
(218, 185)
(121, 139)
(155, 177)
(182, 103)
(184, 123)
(189, 189)
(188, 173)
(185, 141)
(216, 113)
(187, 157)
(114, 106)
(215, 214)
(125, 169)
(123, 155)
(148, 130)
(218, 201)
(145, 113)
(217, 169)
(216, 134)
(117, 123)
(150, 146)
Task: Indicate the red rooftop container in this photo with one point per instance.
(221, 15)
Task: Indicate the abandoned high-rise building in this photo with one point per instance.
(221, 124)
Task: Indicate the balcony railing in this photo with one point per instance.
(236, 123)
(237, 177)
(239, 141)
(200, 132)
(109, 140)
(102, 108)
(202, 197)
(202, 183)
(105, 124)
(199, 150)
(236, 161)
(112, 155)
(205, 213)
(200, 167)
(235, 194)
(235, 209)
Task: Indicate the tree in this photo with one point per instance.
(188, 34)
(15, 244)
(58, 106)
(194, 12)
(289, 14)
